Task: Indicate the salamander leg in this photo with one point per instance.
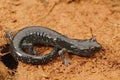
(61, 53)
(29, 47)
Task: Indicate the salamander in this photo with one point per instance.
(32, 35)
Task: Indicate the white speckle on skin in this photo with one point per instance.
(31, 33)
(48, 36)
(37, 33)
(72, 46)
(55, 39)
(19, 54)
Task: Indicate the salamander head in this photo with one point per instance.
(86, 48)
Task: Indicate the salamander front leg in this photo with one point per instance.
(29, 47)
(61, 53)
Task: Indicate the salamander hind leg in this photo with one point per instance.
(61, 53)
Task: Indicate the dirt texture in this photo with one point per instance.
(80, 19)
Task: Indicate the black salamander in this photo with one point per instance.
(29, 36)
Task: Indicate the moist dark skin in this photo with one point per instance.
(30, 36)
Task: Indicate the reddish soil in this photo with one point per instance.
(74, 18)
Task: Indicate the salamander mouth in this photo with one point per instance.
(96, 49)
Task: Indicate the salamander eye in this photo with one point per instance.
(93, 39)
(73, 47)
(92, 48)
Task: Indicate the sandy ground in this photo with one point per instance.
(72, 18)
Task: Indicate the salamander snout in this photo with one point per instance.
(95, 46)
